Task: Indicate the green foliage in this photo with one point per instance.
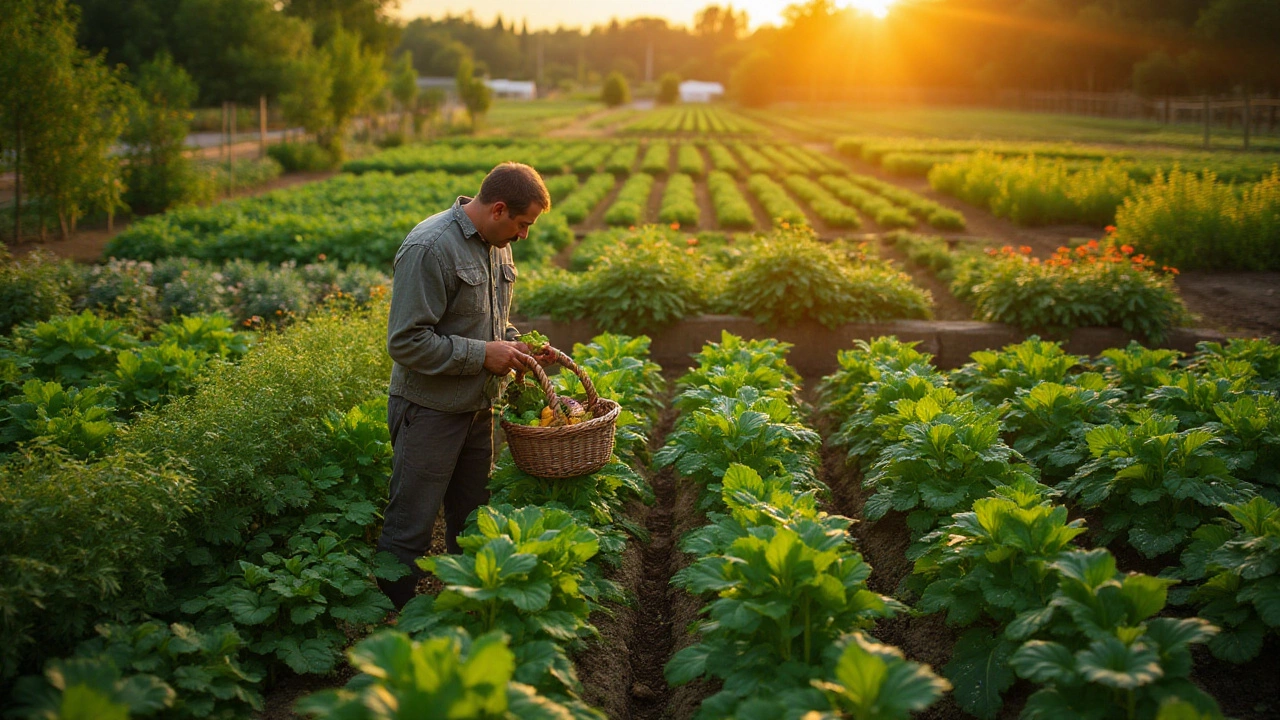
(994, 563)
(874, 681)
(668, 88)
(77, 420)
(73, 349)
(1195, 221)
(155, 374)
(247, 426)
(122, 289)
(210, 334)
(1151, 483)
(885, 213)
(31, 290)
(1093, 288)
(679, 205)
(995, 377)
(1109, 656)
(580, 204)
(615, 91)
(789, 277)
(1237, 563)
(301, 157)
(777, 204)
(732, 210)
(84, 541)
(824, 204)
(1134, 369)
(1250, 427)
(629, 207)
(158, 173)
(295, 606)
(80, 689)
(1035, 191)
(450, 675)
(199, 671)
(1048, 422)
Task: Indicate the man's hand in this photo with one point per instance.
(502, 356)
(544, 356)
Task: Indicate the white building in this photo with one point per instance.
(692, 91)
(514, 89)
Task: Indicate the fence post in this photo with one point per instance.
(262, 126)
(231, 141)
(1208, 117)
(1247, 108)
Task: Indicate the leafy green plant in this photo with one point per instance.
(1262, 354)
(948, 454)
(1134, 368)
(1192, 398)
(993, 564)
(211, 334)
(763, 433)
(873, 681)
(731, 207)
(996, 376)
(843, 391)
(1099, 287)
(1237, 565)
(293, 607)
(447, 676)
(790, 277)
(79, 421)
(121, 288)
(1109, 656)
(81, 688)
(645, 285)
(154, 374)
(1048, 421)
(75, 350)
(31, 290)
(199, 671)
(629, 207)
(1152, 483)
(1250, 428)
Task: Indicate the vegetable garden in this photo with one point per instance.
(195, 452)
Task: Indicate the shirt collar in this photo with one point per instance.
(468, 228)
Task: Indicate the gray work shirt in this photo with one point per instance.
(451, 294)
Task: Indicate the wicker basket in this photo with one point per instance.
(568, 450)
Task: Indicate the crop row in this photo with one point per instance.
(731, 207)
(693, 120)
(348, 219)
(777, 204)
(649, 277)
(1164, 451)
(783, 630)
(679, 205)
(628, 208)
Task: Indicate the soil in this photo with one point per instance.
(1238, 303)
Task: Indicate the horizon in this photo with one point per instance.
(554, 14)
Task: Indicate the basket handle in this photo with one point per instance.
(545, 382)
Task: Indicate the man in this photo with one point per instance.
(452, 344)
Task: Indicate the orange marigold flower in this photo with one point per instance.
(691, 241)
(1025, 249)
(1006, 249)
(1126, 249)
(1082, 250)
(1093, 243)
(323, 257)
(786, 225)
(675, 226)
(1110, 229)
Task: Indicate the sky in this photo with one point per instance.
(577, 13)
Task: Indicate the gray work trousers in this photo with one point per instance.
(439, 459)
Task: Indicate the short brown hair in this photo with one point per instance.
(515, 184)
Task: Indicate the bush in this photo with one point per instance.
(302, 157)
(83, 541)
(1035, 191)
(1198, 222)
(669, 88)
(31, 290)
(1091, 286)
(615, 91)
(790, 277)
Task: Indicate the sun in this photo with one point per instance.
(879, 8)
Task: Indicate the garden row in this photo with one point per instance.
(784, 627)
(693, 119)
(1172, 457)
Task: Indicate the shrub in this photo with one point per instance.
(1199, 222)
(79, 421)
(31, 290)
(615, 91)
(1034, 191)
(302, 157)
(669, 88)
(790, 277)
(1091, 286)
(121, 288)
(83, 541)
(73, 349)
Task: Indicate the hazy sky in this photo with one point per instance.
(577, 13)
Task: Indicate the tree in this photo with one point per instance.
(62, 110)
(368, 19)
(238, 49)
(669, 88)
(473, 92)
(357, 78)
(158, 173)
(404, 84)
(1241, 35)
(307, 101)
(753, 80)
(1159, 76)
(615, 91)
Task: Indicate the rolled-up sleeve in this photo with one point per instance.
(419, 297)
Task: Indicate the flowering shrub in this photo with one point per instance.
(1094, 285)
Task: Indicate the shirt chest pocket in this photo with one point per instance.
(472, 297)
(506, 285)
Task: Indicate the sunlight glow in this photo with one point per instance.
(879, 8)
